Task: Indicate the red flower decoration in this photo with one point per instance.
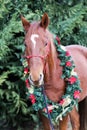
(67, 53)
(58, 40)
(68, 64)
(72, 80)
(32, 98)
(25, 70)
(76, 94)
(27, 83)
(50, 109)
(61, 102)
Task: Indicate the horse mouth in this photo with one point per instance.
(36, 83)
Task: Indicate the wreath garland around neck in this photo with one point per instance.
(71, 96)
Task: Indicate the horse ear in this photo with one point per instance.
(44, 21)
(25, 23)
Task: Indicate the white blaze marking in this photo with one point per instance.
(33, 36)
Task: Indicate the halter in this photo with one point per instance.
(32, 56)
(39, 56)
(42, 86)
(43, 58)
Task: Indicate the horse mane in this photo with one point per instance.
(52, 54)
(52, 57)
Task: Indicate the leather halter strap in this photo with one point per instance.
(38, 56)
(43, 58)
(32, 56)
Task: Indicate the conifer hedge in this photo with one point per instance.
(68, 20)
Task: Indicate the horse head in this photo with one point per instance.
(38, 48)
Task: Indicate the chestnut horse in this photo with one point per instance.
(43, 57)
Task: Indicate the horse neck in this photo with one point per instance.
(54, 85)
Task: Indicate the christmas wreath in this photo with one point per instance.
(70, 99)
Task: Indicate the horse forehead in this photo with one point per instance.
(33, 36)
(33, 39)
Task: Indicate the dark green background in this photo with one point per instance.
(68, 20)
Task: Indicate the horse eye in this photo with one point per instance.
(45, 44)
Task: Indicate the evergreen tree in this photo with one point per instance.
(68, 20)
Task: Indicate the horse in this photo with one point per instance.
(44, 66)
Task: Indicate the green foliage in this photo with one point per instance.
(68, 20)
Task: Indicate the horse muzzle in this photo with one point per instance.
(36, 81)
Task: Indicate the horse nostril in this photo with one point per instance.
(30, 78)
(36, 81)
(40, 76)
